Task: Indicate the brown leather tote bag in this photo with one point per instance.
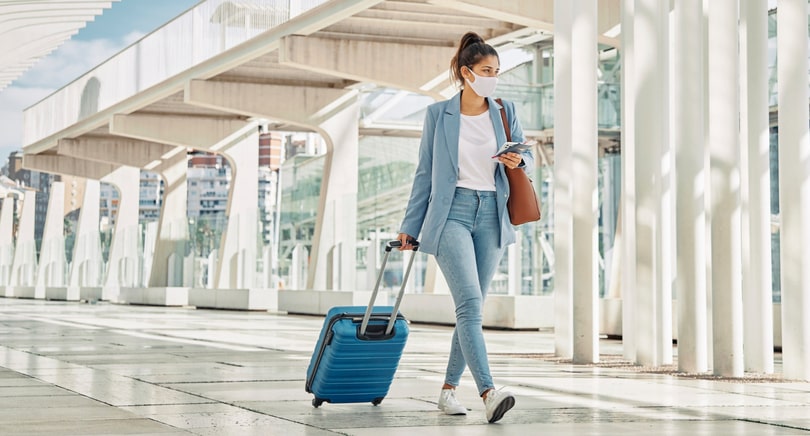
(523, 204)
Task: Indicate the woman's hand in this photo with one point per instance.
(405, 241)
(510, 160)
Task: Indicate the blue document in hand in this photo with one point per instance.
(514, 147)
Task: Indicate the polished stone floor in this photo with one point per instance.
(93, 369)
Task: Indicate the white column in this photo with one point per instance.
(514, 265)
(724, 148)
(708, 184)
(337, 211)
(86, 266)
(756, 188)
(25, 253)
(653, 296)
(52, 260)
(794, 186)
(628, 198)
(584, 193)
(123, 259)
(563, 181)
(172, 232)
(237, 265)
(691, 187)
(6, 240)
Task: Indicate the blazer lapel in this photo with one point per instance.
(452, 125)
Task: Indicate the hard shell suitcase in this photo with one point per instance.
(359, 348)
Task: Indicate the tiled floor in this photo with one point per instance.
(79, 369)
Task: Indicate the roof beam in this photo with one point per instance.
(299, 105)
(115, 150)
(181, 131)
(368, 61)
(67, 166)
(538, 14)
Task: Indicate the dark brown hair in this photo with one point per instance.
(470, 51)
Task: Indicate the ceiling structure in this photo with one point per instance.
(284, 54)
(31, 29)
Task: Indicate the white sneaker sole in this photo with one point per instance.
(457, 412)
(503, 407)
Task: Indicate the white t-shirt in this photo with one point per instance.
(476, 145)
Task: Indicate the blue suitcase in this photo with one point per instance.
(359, 348)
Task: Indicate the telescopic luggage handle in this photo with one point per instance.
(388, 247)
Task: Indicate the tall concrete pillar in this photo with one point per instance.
(576, 25)
(25, 250)
(563, 182)
(514, 267)
(86, 268)
(628, 195)
(237, 265)
(337, 210)
(724, 148)
(6, 241)
(172, 231)
(691, 196)
(52, 260)
(653, 302)
(794, 186)
(756, 192)
(123, 258)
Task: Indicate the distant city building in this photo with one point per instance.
(209, 178)
(151, 196)
(41, 182)
(108, 206)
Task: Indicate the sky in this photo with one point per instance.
(116, 28)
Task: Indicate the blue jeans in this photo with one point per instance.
(468, 256)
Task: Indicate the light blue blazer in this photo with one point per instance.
(436, 175)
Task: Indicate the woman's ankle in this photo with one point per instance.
(486, 392)
(448, 386)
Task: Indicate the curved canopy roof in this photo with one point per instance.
(31, 29)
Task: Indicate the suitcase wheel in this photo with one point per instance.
(316, 402)
(377, 401)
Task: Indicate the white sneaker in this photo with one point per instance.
(498, 403)
(449, 404)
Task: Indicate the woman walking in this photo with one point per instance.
(458, 204)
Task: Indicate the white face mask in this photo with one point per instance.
(483, 86)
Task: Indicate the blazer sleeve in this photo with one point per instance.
(420, 192)
(518, 136)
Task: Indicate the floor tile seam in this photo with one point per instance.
(115, 375)
(777, 423)
(282, 418)
(79, 394)
(684, 410)
(194, 341)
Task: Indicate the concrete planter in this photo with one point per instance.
(90, 294)
(69, 293)
(168, 296)
(516, 312)
(234, 299)
(308, 302)
(29, 292)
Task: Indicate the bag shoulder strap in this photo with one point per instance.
(505, 122)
